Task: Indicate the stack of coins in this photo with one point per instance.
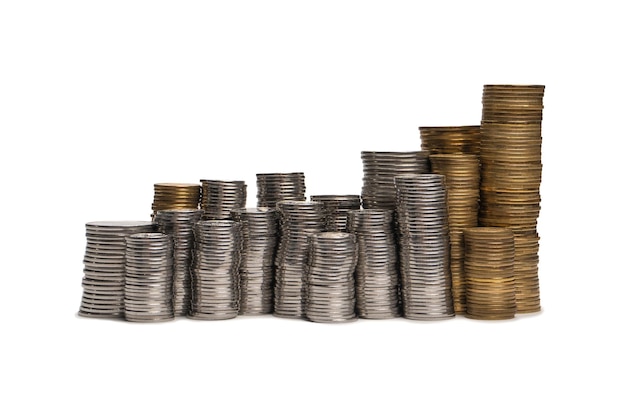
(148, 289)
(297, 220)
(104, 266)
(336, 208)
(275, 187)
(173, 196)
(330, 277)
(489, 271)
(376, 272)
(179, 224)
(424, 247)
(451, 139)
(215, 287)
(259, 233)
(511, 176)
(219, 198)
(379, 170)
(462, 172)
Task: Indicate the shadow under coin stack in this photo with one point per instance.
(179, 224)
(511, 177)
(275, 187)
(148, 289)
(259, 235)
(377, 266)
(329, 288)
(173, 196)
(451, 139)
(219, 198)
(336, 208)
(489, 272)
(104, 266)
(424, 247)
(297, 220)
(215, 286)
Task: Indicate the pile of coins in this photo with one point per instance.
(424, 247)
(489, 270)
(297, 220)
(275, 187)
(336, 208)
(219, 198)
(379, 171)
(104, 266)
(179, 225)
(511, 176)
(451, 139)
(259, 235)
(148, 289)
(376, 275)
(173, 196)
(330, 277)
(215, 285)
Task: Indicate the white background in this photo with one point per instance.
(100, 100)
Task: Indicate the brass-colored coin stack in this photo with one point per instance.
(451, 139)
(462, 172)
(511, 177)
(336, 208)
(174, 196)
(219, 198)
(489, 273)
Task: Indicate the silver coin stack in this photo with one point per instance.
(215, 284)
(259, 233)
(179, 224)
(275, 187)
(380, 168)
(377, 291)
(336, 208)
(104, 266)
(149, 269)
(424, 247)
(219, 198)
(329, 286)
(297, 220)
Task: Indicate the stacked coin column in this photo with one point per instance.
(336, 208)
(511, 177)
(329, 290)
(376, 272)
(275, 187)
(179, 224)
(219, 198)
(451, 139)
(297, 220)
(424, 247)
(259, 234)
(175, 196)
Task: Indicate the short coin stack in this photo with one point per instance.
(489, 273)
(377, 291)
(330, 277)
(172, 196)
(451, 139)
(297, 220)
(259, 234)
(424, 247)
(215, 284)
(275, 187)
(148, 289)
(104, 266)
(219, 198)
(336, 208)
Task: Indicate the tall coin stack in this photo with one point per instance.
(275, 187)
(179, 224)
(215, 284)
(259, 234)
(329, 290)
(376, 272)
(462, 172)
(336, 208)
(511, 177)
(424, 247)
(148, 289)
(451, 139)
(489, 271)
(219, 198)
(297, 220)
(379, 171)
(104, 266)
(173, 196)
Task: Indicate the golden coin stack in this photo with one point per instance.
(489, 273)
(174, 196)
(511, 176)
(462, 172)
(451, 139)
